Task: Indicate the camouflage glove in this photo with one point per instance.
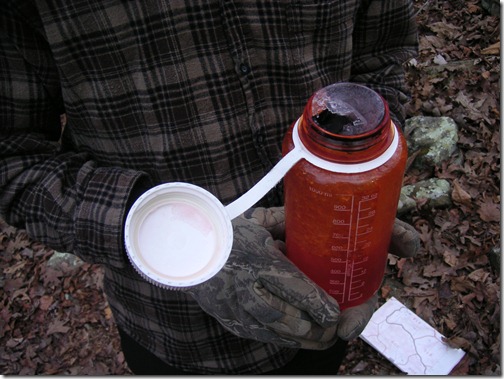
(259, 294)
(273, 219)
(405, 242)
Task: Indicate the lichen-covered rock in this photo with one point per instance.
(70, 260)
(434, 138)
(406, 203)
(436, 191)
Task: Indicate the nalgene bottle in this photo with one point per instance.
(340, 204)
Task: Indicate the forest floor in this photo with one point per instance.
(454, 283)
(55, 320)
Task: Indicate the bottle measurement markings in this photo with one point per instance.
(353, 218)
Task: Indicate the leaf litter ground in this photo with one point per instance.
(55, 320)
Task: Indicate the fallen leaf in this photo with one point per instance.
(489, 211)
(461, 284)
(14, 268)
(450, 258)
(51, 276)
(450, 323)
(11, 285)
(493, 49)
(479, 275)
(460, 343)
(13, 342)
(57, 326)
(473, 8)
(445, 29)
(467, 299)
(45, 302)
(459, 195)
(108, 313)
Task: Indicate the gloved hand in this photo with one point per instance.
(405, 242)
(259, 294)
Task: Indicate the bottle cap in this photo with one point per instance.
(347, 109)
(346, 123)
(178, 235)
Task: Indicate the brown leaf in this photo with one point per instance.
(493, 49)
(445, 29)
(417, 301)
(473, 8)
(467, 299)
(12, 285)
(479, 275)
(57, 326)
(13, 342)
(471, 109)
(430, 42)
(108, 313)
(425, 232)
(460, 343)
(450, 258)
(461, 284)
(385, 290)
(459, 195)
(12, 269)
(51, 276)
(45, 302)
(450, 323)
(489, 211)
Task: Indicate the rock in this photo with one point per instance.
(58, 259)
(406, 203)
(434, 139)
(436, 191)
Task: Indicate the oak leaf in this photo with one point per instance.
(57, 326)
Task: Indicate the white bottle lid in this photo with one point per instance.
(178, 235)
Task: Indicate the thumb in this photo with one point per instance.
(405, 241)
(292, 287)
(272, 219)
(353, 320)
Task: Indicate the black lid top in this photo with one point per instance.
(347, 109)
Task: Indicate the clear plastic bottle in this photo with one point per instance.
(341, 205)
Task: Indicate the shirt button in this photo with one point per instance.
(244, 68)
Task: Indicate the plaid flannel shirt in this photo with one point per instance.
(159, 91)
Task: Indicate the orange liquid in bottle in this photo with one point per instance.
(338, 225)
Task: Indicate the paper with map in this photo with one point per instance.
(408, 342)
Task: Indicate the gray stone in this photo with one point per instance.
(436, 191)
(58, 259)
(406, 203)
(434, 139)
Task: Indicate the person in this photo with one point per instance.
(199, 92)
